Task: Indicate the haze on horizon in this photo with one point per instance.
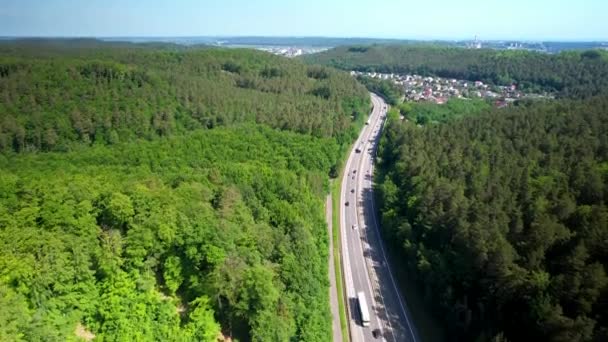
(583, 20)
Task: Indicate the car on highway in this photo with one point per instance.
(355, 227)
(346, 204)
(354, 171)
(352, 190)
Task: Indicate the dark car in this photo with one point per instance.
(376, 333)
(346, 204)
(352, 190)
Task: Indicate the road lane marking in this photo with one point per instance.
(377, 231)
(357, 333)
(360, 184)
(356, 205)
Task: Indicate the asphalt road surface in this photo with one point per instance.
(365, 265)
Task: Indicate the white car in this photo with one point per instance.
(355, 227)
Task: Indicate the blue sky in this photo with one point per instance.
(422, 19)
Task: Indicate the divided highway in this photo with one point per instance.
(365, 265)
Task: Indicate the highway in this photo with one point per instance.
(365, 265)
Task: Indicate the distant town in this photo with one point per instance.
(291, 51)
(290, 46)
(543, 47)
(295, 46)
(439, 90)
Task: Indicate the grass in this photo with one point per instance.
(336, 185)
(335, 199)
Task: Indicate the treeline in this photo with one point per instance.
(180, 239)
(55, 94)
(570, 74)
(503, 219)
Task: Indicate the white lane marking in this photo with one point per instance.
(361, 182)
(356, 331)
(360, 244)
(360, 185)
(401, 300)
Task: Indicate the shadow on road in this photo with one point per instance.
(353, 304)
(387, 308)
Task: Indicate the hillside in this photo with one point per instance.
(155, 193)
(502, 219)
(55, 94)
(570, 74)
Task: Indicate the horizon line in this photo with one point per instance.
(560, 40)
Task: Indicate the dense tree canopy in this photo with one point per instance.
(570, 74)
(158, 193)
(503, 219)
(148, 240)
(55, 96)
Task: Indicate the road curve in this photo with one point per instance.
(365, 264)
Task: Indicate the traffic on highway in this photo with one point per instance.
(376, 310)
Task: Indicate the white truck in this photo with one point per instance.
(363, 310)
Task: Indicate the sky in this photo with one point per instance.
(575, 20)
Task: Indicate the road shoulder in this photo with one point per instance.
(333, 290)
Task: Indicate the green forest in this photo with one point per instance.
(502, 218)
(576, 74)
(55, 94)
(158, 192)
(161, 193)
